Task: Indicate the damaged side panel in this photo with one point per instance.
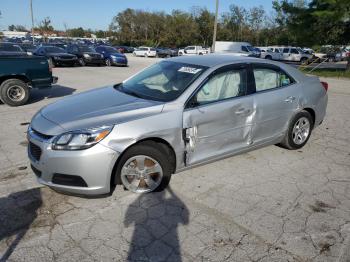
(218, 128)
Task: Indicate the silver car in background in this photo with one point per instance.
(173, 115)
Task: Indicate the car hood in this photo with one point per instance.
(8, 53)
(98, 107)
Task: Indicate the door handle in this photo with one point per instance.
(241, 111)
(289, 99)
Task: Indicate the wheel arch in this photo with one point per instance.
(312, 113)
(19, 77)
(159, 142)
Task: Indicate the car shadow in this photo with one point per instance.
(17, 213)
(37, 95)
(155, 218)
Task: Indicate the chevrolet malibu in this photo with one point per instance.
(172, 116)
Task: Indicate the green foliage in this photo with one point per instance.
(76, 32)
(18, 28)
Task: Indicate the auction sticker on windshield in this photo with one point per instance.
(190, 70)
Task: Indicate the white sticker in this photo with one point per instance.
(189, 70)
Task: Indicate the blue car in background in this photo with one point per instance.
(112, 56)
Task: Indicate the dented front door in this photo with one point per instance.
(217, 129)
(218, 117)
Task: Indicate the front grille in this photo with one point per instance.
(34, 151)
(68, 180)
(66, 57)
(36, 171)
(41, 135)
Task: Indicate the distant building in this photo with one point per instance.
(15, 34)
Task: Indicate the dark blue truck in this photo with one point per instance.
(20, 74)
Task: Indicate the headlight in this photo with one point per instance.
(80, 139)
(86, 55)
(101, 56)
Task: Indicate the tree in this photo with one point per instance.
(76, 32)
(18, 28)
(45, 26)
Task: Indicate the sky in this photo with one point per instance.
(98, 14)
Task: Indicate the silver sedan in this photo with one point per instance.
(174, 115)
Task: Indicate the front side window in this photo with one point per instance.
(294, 51)
(53, 49)
(164, 81)
(221, 86)
(11, 48)
(267, 78)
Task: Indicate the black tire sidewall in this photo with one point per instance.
(148, 149)
(6, 85)
(290, 142)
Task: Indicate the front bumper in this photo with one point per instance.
(120, 61)
(92, 60)
(94, 165)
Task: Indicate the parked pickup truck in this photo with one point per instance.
(20, 74)
(193, 50)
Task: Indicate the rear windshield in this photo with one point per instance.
(164, 81)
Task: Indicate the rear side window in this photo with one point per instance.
(268, 78)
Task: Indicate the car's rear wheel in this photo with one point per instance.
(14, 92)
(299, 131)
(144, 168)
(268, 57)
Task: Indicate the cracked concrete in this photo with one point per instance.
(267, 205)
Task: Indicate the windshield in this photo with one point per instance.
(53, 49)
(111, 49)
(164, 81)
(10, 48)
(87, 49)
(250, 48)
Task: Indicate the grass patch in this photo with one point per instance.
(329, 72)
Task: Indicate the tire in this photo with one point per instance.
(14, 92)
(268, 57)
(108, 62)
(153, 153)
(303, 61)
(82, 62)
(289, 141)
(51, 62)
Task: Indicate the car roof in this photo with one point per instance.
(213, 60)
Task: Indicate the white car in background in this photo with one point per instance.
(268, 53)
(145, 51)
(193, 50)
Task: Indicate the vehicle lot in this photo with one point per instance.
(266, 205)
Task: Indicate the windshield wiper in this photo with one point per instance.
(120, 88)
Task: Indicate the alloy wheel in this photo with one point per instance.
(141, 174)
(301, 130)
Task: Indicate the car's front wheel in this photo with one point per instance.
(144, 168)
(108, 62)
(82, 62)
(299, 131)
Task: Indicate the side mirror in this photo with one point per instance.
(193, 102)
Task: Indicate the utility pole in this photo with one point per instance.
(215, 26)
(31, 14)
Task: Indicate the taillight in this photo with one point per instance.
(325, 85)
